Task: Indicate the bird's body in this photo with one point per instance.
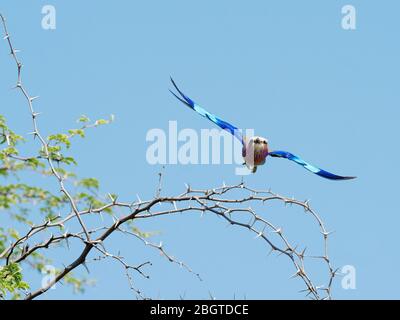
(254, 152)
(255, 149)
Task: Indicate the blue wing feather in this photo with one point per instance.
(308, 166)
(219, 122)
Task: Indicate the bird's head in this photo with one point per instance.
(258, 141)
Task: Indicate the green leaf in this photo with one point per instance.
(83, 118)
(77, 132)
(60, 138)
(100, 122)
(11, 279)
(89, 183)
(10, 151)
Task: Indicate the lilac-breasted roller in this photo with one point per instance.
(255, 149)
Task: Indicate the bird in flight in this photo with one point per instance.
(254, 149)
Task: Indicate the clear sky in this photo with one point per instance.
(285, 68)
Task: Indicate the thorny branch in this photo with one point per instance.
(36, 132)
(217, 201)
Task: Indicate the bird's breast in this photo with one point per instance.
(255, 154)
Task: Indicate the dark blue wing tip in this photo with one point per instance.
(179, 98)
(349, 178)
(189, 101)
(338, 177)
(332, 176)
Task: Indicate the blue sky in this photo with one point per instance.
(285, 68)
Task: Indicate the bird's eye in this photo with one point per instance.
(265, 142)
(257, 141)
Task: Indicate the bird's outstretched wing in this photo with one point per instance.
(308, 166)
(219, 122)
